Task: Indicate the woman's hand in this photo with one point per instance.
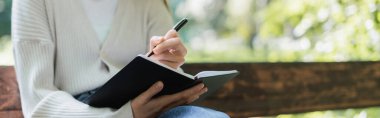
(169, 49)
(144, 106)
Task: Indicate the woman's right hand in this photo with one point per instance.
(144, 106)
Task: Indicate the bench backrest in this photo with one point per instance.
(264, 89)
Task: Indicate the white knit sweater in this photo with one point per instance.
(58, 55)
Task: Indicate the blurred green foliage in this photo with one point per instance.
(281, 30)
(5, 17)
(5, 22)
(373, 112)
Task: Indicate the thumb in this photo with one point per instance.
(153, 90)
(170, 34)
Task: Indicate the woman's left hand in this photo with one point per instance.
(168, 49)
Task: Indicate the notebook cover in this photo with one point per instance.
(134, 79)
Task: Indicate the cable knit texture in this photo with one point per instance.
(58, 55)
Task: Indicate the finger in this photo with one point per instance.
(172, 43)
(171, 34)
(179, 50)
(175, 65)
(172, 51)
(168, 101)
(193, 90)
(171, 64)
(181, 97)
(192, 99)
(154, 41)
(196, 96)
(189, 99)
(169, 59)
(148, 94)
(167, 56)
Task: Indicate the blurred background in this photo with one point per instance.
(268, 31)
(280, 30)
(6, 57)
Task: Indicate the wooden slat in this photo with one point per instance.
(9, 95)
(11, 114)
(264, 89)
(10, 105)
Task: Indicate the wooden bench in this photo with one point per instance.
(10, 106)
(266, 89)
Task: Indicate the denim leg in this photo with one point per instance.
(192, 112)
(85, 96)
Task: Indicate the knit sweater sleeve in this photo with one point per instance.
(34, 50)
(159, 18)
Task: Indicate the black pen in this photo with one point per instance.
(176, 27)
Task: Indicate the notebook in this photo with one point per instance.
(142, 72)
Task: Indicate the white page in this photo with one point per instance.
(214, 73)
(165, 66)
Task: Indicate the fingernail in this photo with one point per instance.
(202, 85)
(159, 84)
(172, 51)
(204, 91)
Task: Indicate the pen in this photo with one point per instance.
(180, 24)
(176, 27)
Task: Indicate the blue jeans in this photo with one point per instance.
(192, 112)
(176, 112)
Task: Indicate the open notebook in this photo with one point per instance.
(142, 72)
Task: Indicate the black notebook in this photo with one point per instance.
(142, 72)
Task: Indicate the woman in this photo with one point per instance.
(64, 48)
